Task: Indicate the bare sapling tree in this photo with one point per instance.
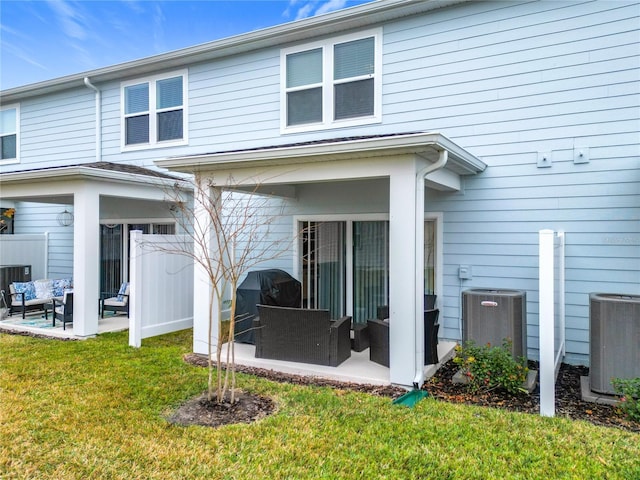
(232, 232)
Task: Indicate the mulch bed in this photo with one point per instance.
(569, 403)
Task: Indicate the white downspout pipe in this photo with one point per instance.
(419, 256)
(88, 84)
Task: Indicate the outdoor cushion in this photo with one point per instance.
(113, 302)
(60, 285)
(124, 290)
(25, 288)
(43, 289)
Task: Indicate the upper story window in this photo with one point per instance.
(154, 111)
(9, 134)
(332, 84)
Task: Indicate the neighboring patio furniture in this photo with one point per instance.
(431, 327)
(301, 335)
(63, 310)
(118, 302)
(28, 296)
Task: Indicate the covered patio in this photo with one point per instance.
(356, 369)
(98, 193)
(373, 178)
(36, 324)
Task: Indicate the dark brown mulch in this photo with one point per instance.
(569, 403)
(246, 408)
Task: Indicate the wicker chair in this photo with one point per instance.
(378, 341)
(301, 335)
(378, 330)
(431, 327)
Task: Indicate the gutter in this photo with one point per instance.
(88, 84)
(418, 379)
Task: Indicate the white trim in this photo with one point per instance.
(16, 107)
(328, 83)
(152, 80)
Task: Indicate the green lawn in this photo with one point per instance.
(95, 410)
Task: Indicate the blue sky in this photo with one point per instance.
(45, 39)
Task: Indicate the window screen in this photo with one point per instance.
(136, 98)
(169, 93)
(304, 68)
(8, 137)
(353, 59)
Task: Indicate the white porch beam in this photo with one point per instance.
(444, 180)
(86, 254)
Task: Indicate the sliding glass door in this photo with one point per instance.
(370, 268)
(345, 267)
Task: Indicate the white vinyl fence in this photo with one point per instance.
(26, 249)
(161, 293)
(552, 321)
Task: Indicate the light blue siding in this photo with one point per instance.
(507, 81)
(39, 218)
(57, 130)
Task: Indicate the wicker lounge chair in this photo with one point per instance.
(378, 330)
(301, 335)
(378, 341)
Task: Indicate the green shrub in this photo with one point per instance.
(489, 367)
(629, 391)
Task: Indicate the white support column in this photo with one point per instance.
(546, 323)
(86, 259)
(201, 281)
(402, 278)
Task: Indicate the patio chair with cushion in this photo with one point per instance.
(119, 302)
(63, 309)
(301, 335)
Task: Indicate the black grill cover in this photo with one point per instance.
(266, 287)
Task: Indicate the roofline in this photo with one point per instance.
(354, 17)
(376, 146)
(60, 173)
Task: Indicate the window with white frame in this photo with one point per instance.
(154, 111)
(332, 83)
(9, 134)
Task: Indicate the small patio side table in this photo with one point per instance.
(49, 306)
(360, 340)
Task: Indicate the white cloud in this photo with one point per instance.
(70, 18)
(305, 11)
(20, 53)
(330, 6)
(311, 8)
(158, 28)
